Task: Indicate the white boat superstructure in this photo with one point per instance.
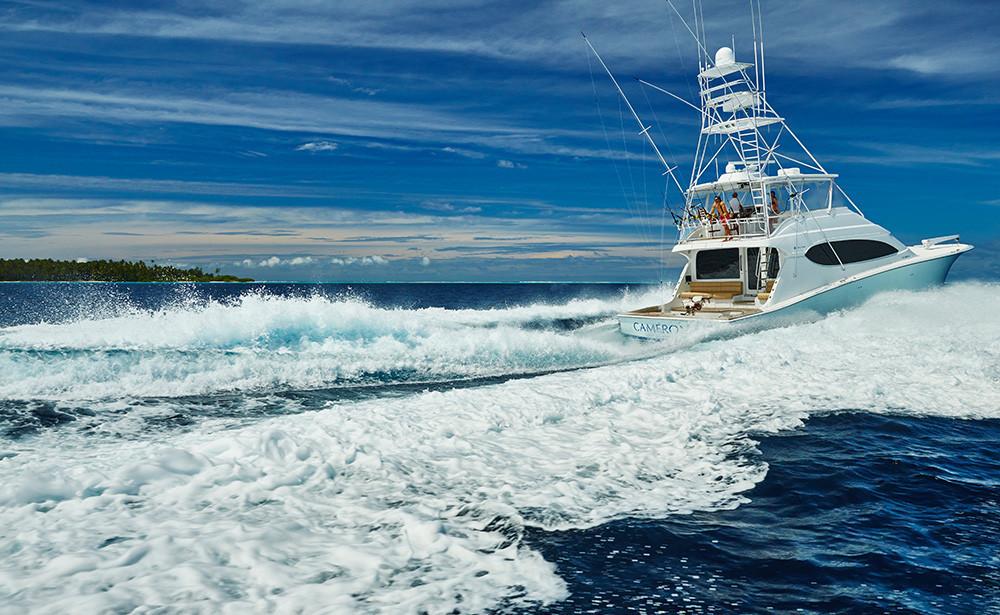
(766, 230)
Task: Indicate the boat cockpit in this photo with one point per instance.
(723, 283)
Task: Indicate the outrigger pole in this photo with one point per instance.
(644, 129)
(697, 39)
(671, 95)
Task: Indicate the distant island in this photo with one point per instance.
(48, 270)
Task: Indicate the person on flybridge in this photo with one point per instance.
(736, 205)
(775, 208)
(722, 213)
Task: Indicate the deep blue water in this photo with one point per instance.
(858, 514)
(545, 465)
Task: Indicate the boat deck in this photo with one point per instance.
(714, 312)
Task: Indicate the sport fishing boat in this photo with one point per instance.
(771, 237)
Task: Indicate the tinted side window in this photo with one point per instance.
(849, 251)
(773, 263)
(718, 264)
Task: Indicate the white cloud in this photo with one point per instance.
(847, 34)
(447, 206)
(294, 112)
(354, 88)
(267, 110)
(363, 260)
(317, 146)
(465, 153)
(510, 164)
(173, 186)
(274, 261)
(425, 261)
(203, 232)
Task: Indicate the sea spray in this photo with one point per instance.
(417, 502)
(259, 343)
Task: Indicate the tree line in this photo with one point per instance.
(49, 270)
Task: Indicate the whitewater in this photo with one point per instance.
(474, 426)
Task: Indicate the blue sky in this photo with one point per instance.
(427, 140)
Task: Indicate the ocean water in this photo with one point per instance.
(491, 448)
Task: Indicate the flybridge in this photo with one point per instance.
(743, 134)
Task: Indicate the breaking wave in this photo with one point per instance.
(265, 343)
(418, 503)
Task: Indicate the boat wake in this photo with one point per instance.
(267, 343)
(417, 502)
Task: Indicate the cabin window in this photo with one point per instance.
(849, 251)
(718, 264)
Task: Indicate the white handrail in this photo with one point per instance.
(933, 241)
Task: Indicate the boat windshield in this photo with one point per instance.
(726, 209)
(802, 191)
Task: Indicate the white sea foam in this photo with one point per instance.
(418, 503)
(264, 343)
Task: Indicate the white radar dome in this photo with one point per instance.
(724, 56)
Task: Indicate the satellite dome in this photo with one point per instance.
(724, 56)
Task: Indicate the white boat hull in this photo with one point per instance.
(915, 274)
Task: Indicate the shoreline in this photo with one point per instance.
(126, 282)
(524, 282)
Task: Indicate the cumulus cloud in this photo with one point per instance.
(317, 146)
(363, 261)
(275, 261)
